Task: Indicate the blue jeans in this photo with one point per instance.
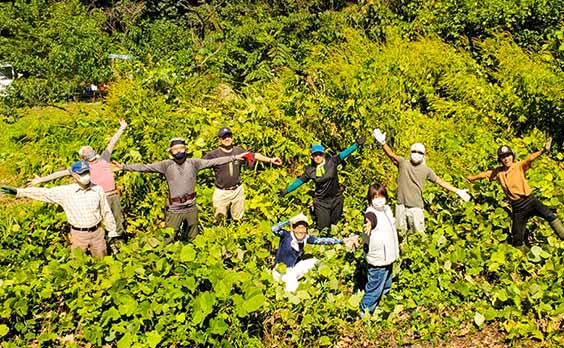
(379, 283)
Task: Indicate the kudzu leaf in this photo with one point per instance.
(126, 341)
(4, 330)
(218, 326)
(255, 302)
(202, 307)
(153, 339)
(187, 254)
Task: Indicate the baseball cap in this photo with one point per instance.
(80, 167)
(300, 218)
(176, 141)
(87, 152)
(418, 147)
(224, 131)
(317, 148)
(504, 150)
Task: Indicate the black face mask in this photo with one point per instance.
(179, 156)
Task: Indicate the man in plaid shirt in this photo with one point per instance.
(85, 206)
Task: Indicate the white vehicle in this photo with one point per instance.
(7, 76)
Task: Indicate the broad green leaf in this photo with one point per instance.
(4, 330)
(202, 307)
(153, 339)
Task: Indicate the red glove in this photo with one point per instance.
(250, 159)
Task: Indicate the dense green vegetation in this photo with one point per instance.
(462, 77)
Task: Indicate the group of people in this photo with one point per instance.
(92, 202)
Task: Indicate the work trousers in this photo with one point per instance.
(185, 223)
(328, 211)
(522, 210)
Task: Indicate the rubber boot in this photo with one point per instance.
(558, 228)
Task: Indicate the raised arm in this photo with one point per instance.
(324, 240)
(206, 163)
(115, 138)
(346, 152)
(294, 185)
(158, 167)
(462, 193)
(41, 179)
(274, 160)
(381, 138)
(49, 195)
(482, 175)
(278, 229)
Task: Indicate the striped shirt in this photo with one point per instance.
(84, 208)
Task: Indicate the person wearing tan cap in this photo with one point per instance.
(291, 250)
(413, 173)
(511, 176)
(181, 174)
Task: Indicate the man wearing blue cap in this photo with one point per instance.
(85, 206)
(229, 193)
(101, 175)
(328, 199)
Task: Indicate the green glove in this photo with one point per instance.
(9, 190)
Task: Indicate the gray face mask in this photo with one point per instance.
(84, 179)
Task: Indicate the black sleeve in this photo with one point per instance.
(372, 218)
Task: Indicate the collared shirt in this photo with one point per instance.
(84, 208)
(512, 179)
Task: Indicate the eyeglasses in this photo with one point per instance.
(317, 154)
(419, 152)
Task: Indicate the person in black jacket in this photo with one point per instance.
(328, 199)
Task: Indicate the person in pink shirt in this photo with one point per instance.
(101, 175)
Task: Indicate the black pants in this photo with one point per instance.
(328, 211)
(523, 209)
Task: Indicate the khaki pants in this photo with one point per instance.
(185, 223)
(93, 241)
(229, 199)
(411, 219)
(115, 207)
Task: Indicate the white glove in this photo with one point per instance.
(463, 194)
(351, 242)
(379, 136)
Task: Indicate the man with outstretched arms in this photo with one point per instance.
(511, 176)
(229, 193)
(412, 176)
(101, 175)
(328, 198)
(85, 206)
(181, 174)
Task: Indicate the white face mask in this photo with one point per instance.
(84, 179)
(416, 158)
(379, 203)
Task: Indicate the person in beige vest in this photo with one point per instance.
(511, 176)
